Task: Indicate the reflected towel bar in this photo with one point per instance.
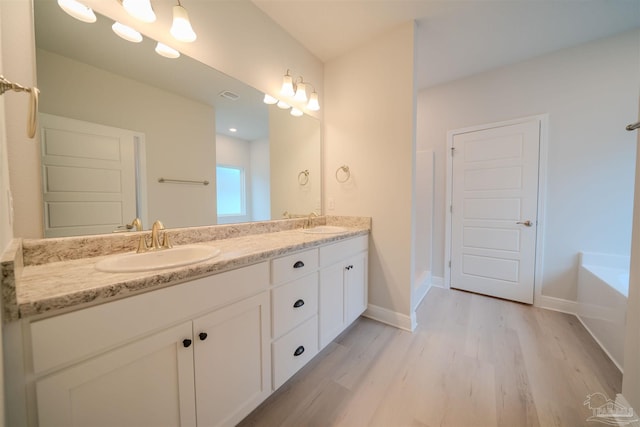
(633, 126)
(182, 181)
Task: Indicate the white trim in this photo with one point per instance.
(595, 338)
(438, 282)
(420, 291)
(543, 120)
(392, 318)
(556, 304)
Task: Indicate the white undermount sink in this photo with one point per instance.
(155, 260)
(325, 229)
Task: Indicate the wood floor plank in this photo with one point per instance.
(473, 361)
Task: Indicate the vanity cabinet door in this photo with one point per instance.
(148, 382)
(343, 289)
(356, 287)
(331, 303)
(232, 361)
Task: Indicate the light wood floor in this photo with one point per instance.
(472, 361)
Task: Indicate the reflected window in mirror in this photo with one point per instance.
(231, 193)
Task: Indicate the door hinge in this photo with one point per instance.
(453, 149)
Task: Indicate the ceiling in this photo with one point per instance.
(454, 38)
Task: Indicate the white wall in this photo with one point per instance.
(293, 148)
(179, 132)
(23, 154)
(631, 377)
(236, 152)
(423, 231)
(260, 184)
(590, 93)
(369, 126)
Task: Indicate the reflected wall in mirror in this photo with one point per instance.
(176, 116)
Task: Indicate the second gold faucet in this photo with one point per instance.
(155, 239)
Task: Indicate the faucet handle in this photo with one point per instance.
(166, 243)
(142, 244)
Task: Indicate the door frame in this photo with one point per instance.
(543, 121)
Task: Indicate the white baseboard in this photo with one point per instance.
(392, 318)
(556, 304)
(424, 284)
(615, 362)
(437, 281)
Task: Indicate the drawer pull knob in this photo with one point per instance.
(298, 351)
(202, 336)
(298, 303)
(186, 343)
(298, 264)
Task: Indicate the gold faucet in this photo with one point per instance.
(137, 224)
(155, 239)
(311, 215)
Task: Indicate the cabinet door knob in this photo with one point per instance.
(298, 303)
(186, 343)
(298, 351)
(298, 264)
(202, 336)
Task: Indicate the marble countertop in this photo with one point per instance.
(57, 287)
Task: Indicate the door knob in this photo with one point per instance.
(528, 223)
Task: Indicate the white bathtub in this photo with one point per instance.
(603, 286)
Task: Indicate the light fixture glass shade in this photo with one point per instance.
(78, 10)
(181, 27)
(166, 51)
(140, 9)
(287, 85)
(295, 112)
(283, 105)
(313, 104)
(268, 99)
(126, 33)
(301, 92)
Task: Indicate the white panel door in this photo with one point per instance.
(148, 382)
(232, 361)
(89, 174)
(494, 210)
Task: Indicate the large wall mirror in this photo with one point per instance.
(127, 132)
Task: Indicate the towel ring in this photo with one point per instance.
(345, 169)
(303, 177)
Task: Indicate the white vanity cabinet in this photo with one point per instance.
(294, 302)
(343, 286)
(209, 367)
(201, 353)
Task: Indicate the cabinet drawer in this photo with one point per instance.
(293, 266)
(302, 341)
(293, 303)
(72, 336)
(339, 251)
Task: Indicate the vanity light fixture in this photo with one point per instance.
(127, 33)
(166, 51)
(287, 85)
(140, 9)
(283, 105)
(301, 92)
(313, 104)
(295, 112)
(270, 100)
(181, 27)
(297, 90)
(78, 10)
